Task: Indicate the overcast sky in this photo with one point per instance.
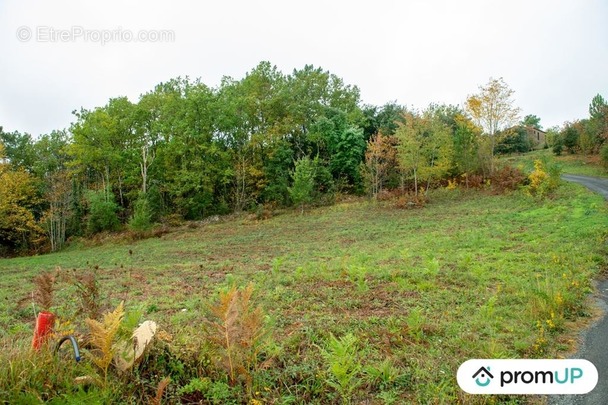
(553, 53)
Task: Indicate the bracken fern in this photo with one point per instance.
(43, 293)
(343, 365)
(88, 291)
(237, 333)
(103, 336)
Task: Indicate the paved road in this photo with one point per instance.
(594, 346)
(596, 184)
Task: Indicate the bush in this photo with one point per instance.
(102, 212)
(558, 148)
(516, 142)
(570, 138)
(544, 179)
(411, 200)
(142, 215)
(508, 178)
(604, 156)
(474, 181)
(303, 182)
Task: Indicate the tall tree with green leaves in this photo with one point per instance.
(598, 122)
(570, 135)
(101, 145)
(384, 119)
(466, 147)
(18, 149)
(57, 188)
(531, 121)
(193, 164)
(598, 106)
(425, 149)
(311, 94)
(251, 123)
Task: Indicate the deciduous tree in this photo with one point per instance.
(493, 109)
(466, 147)
(303, 176)
(598, 122)
(380, 160)
(18, 199)
(425, 149)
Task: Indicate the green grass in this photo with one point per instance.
(472, 275)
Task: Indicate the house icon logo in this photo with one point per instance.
(484, 374)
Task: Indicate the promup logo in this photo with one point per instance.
(527, 376)
(484, 374)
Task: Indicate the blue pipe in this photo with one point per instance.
(74, 345)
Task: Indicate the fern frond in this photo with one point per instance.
(43, 294)
(88, 289)
(160, 390)
(102, 337)
(237, 333)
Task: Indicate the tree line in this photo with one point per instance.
(588, 136)
(190, 151)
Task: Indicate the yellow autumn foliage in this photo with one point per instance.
(103, 337)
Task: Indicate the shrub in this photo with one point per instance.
(516, 141)
(508, 178)
(386, 194)
(604, 156)
(558, 148)
(142, 215)
(102, 212)
(303, 182)
(570, 138)
(544, 179)
(474, 181)
(237, 332)
(173, 220)
(325, 187)
(411, 200)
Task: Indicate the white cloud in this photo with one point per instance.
(554, 54)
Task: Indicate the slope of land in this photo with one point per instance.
(472, 275)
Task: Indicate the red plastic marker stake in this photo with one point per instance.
(44, 326)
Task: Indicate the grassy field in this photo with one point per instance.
(586, 165)
(408, 294)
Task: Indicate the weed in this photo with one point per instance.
(237, 332)
(43, 293)
(415, 321)
(358, 276)
(160, 389)
(89, 295)
(410, 200)
(382, 375)
(103, 338)
(277, 263)
(341, 356)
